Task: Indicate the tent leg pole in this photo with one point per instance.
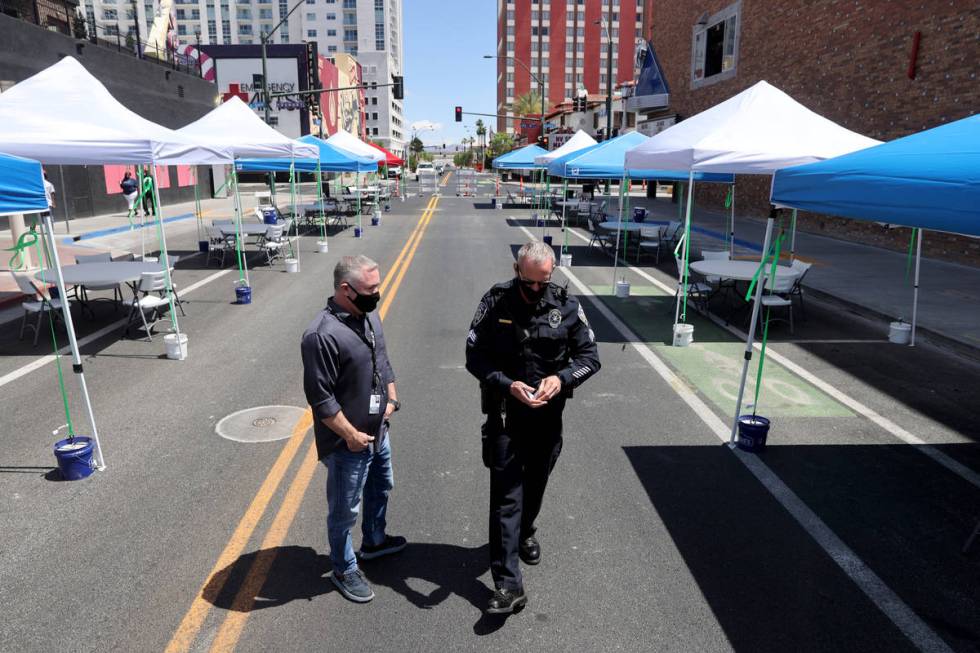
(792, 239)
(915, 291)
(76, 357)
(731, 233)
(619, 227)
(164, 256)
(750, 338)
(682, 273)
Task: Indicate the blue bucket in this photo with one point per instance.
(639, 214)
(357, 232)
(375, 221)
(269, 216)
(752, 433)
(74, 457)
(243, 294)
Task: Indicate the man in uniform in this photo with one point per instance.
(529, 345)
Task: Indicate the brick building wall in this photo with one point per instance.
(846, 60)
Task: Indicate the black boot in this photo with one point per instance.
(506, 601)
(530, 551)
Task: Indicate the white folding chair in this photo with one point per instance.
(776, 295)
(219, 242)
(696, 290)
(272, 243)
(797, 290)
(153, 286)
(42, 304)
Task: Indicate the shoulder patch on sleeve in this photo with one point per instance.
(481, 312)
(581, 315)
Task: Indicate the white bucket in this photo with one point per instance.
(900, 333)
(322, 246)
(292, 265)
(174, 351)
(566, 260)
(683, 335)
(623, 289)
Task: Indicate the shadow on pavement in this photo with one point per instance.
(452, 569)
(296, 572)
(769, 584)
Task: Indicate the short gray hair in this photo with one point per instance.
(352, 267)
(536, 252)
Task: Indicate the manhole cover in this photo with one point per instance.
(260, 424)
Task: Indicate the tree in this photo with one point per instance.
(481, 132)
(501, 143)
(78, 27)
(416, 145)
(527, 104)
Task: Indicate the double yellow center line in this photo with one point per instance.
(231, 628)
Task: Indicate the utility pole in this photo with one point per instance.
(136, 25)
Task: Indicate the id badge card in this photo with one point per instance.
(374, 407)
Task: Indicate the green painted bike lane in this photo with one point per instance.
(713, 362)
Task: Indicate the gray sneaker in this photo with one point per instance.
(353, 586)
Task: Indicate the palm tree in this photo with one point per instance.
(527, 104)
(481, 131)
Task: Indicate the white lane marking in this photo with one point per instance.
(44, 360)
(849, 562)
(891, 427)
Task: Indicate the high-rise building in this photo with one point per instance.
(564, 44)
(370, 30)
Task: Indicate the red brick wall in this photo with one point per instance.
(846, 60)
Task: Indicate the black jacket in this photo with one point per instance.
(510, 340)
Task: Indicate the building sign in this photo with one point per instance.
(557, 140)
(651, 127)
(238, 67)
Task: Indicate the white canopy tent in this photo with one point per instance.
(758, 131)
(344, 140)
(233, 124)
(64, 115)
(578, 141)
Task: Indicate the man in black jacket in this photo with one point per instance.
(529, 345)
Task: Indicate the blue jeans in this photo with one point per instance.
(349, 475)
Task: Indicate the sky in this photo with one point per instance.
(444, 42)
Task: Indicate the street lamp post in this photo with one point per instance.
(609, 78)
(533, 76)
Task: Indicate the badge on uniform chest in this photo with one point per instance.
(374, 405)
(554, 318)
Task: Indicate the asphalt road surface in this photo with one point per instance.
(844, 535)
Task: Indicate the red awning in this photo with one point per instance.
(390, 159)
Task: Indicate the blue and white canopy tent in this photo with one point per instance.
(929, 180)
(757, 131)
(21, 186)
(331, 159)
(521, 159)
(64, 115)
(606, 160)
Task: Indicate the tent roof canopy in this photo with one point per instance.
(64, 115)
(522, 159)
(390, 159)
(21, 186)
(346, 141)
(234, 125)
(930, 180)
(331, 159)
(757, 131)
(578, 141)
(606, 161)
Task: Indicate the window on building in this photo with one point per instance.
(350, 19)
(110, 14)
(181, 30)
(350, 4)
(331, 48)
(195, 14)
(580, 47)
(714, 50)
(181, 14)
(244, 28)
(331, 32)
(374, 101)
(311, 33)
(510, 14)
(374, 116)
(112, 30)
(226, 31)
(311, 17)
(331, 16)
(265, 14)
(350, 35)
(375, 131)
(510, 30)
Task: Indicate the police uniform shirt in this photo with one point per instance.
(510, 340)
(337, 373)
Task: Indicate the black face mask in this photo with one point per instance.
(365, 303)
(531, 294)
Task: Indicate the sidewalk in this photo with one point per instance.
(862, 278)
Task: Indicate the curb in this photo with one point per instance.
(933, 338)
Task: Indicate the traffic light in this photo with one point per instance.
(398, 92)
(459, 114)
(580, 104)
